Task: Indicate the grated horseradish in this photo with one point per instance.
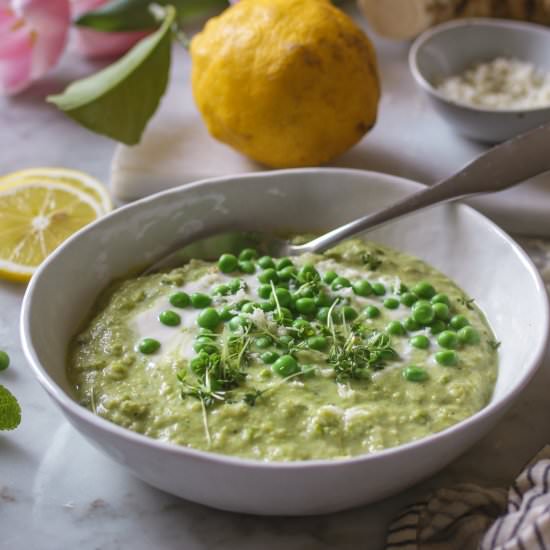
(502, 83)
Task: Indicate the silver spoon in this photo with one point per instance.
(501, 167)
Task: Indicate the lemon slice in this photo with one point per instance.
(79, 180)
(35, 218)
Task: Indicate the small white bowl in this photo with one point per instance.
(459, 241)
(451, 48)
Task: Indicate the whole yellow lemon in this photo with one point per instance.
(286, 82)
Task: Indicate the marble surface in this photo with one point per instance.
(57, 492)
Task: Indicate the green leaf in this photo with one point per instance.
(10, 411)
(133, 15)
(119, 100)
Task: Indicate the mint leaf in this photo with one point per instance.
(119, 100)
(135, 15)
(10, 411)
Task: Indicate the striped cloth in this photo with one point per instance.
(469, 517)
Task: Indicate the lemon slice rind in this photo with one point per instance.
(65, 176)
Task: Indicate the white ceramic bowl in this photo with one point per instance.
(454, 238)
(450, 48)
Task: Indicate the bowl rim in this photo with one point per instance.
(468, 22)
(71, 407)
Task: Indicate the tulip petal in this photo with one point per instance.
(50, 22)
(33, 34)
(15, 71)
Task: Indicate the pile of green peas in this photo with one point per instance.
(301, 299)
(432, 310)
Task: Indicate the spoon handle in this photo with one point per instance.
(501, 167)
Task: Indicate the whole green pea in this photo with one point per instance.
(446, 358)
(371, 312)
(459, 321)
(391, 303)
(441, 299)
(340, 282)
(441, 311)
(248, 254)
(247, 266)
(283, 296)
(329, 277)
(226, 313)
(395, 328)
(265, 262)
(422, 312)
(169, 318)
(200, 300)
(179, 299)
(306, 306)
(282, 263)
(264, 291)
(448, 339)
(5, 360)
(263, 342)
(408, 298)
(362, 288)
(238, 323)
(378, 288)
(235, 285)
(145, 346)
(268, 275)
(424, 289)
(318, 343)
(208, 318)
(227, 263)
(468, 335)
(415, 374)
(287, 273)
(420, 342)
(285, 366)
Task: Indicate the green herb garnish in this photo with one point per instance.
(371, 261)
(468, 302)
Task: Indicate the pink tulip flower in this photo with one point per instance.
(97, 44)
(33, 34)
